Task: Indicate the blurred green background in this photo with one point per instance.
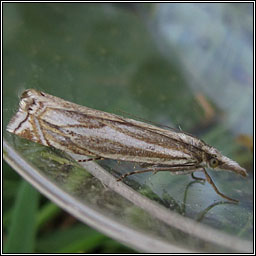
(147, 60)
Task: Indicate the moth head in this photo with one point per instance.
(29, 101)
(22, 123)
(215, 160)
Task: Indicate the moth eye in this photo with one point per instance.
(214, 162)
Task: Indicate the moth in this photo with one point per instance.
(80, 130)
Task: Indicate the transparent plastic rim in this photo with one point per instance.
(122, 233)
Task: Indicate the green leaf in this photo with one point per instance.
(21, 237)
(46, 213)
(79, 238)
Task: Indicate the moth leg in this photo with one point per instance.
(174, 169)
(146, 165)
(91, 159)
(197, 178)
(134, 172)
(209, 179)
(154, 169)
(154, 172)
